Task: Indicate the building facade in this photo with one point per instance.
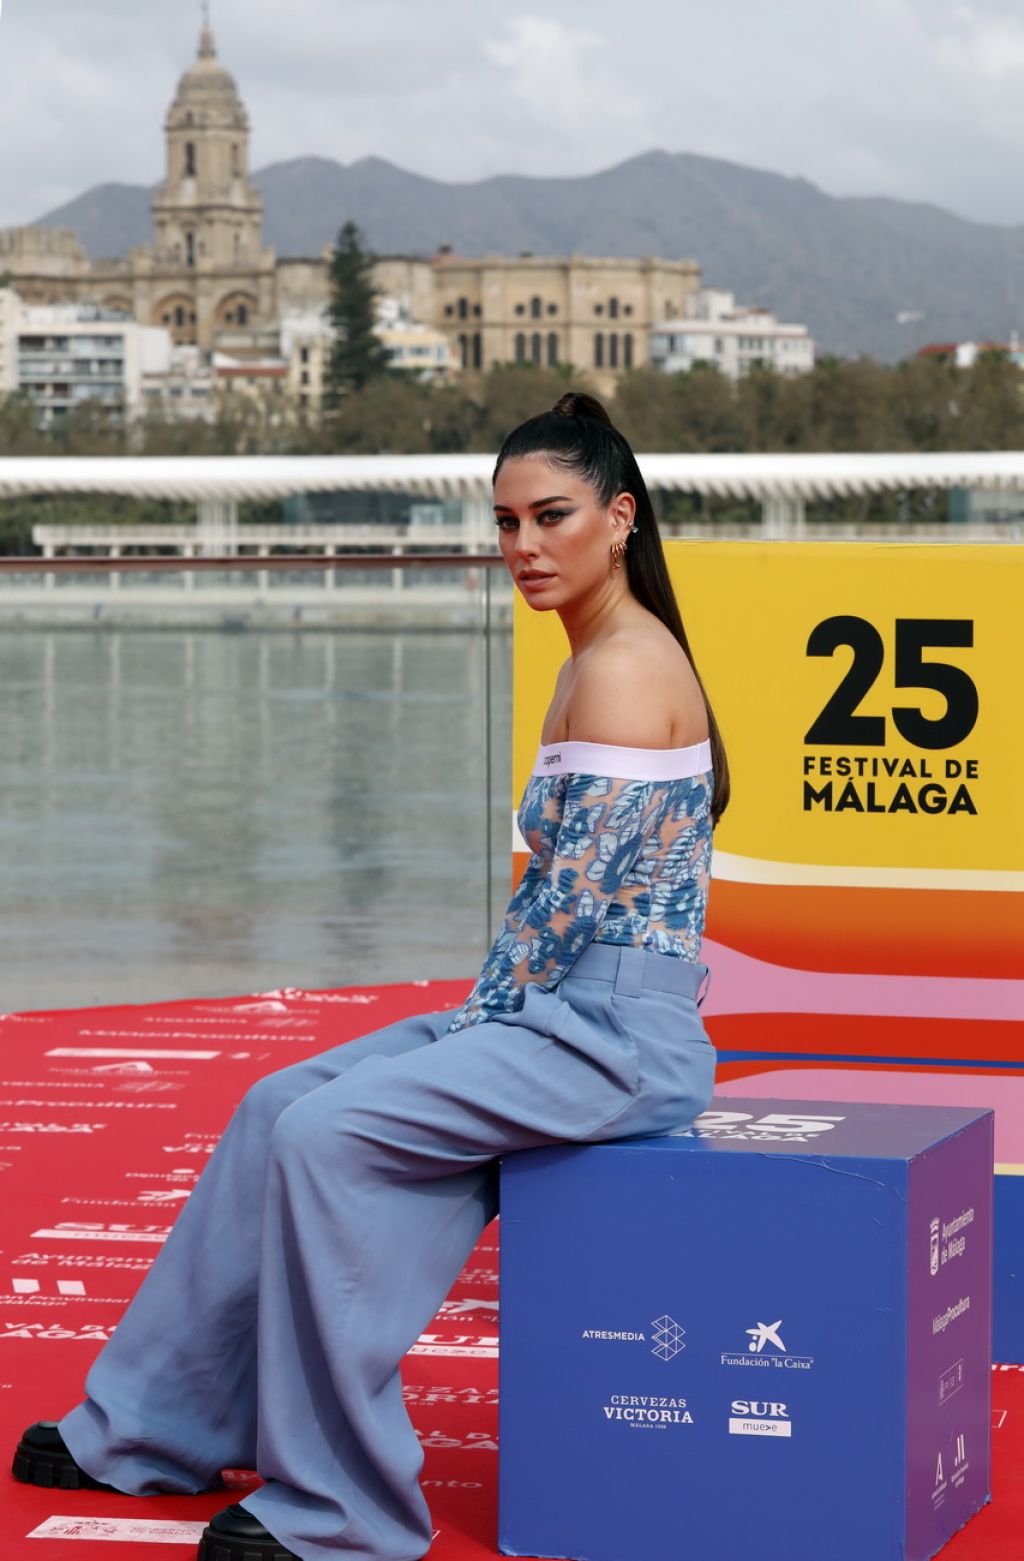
(183, 389)
(68, 354)
(965, 354)
(595, 314)
(208, 279)
(714, 329)
(207, 270)
(8, 356)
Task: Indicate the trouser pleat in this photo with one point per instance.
(333, 1218)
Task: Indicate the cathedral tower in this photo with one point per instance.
(207, 215)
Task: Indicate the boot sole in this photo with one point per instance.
(223, 1547)
(53, 1471)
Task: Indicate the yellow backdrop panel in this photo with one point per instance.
(870, 700)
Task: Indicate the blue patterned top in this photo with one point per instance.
(620, 852)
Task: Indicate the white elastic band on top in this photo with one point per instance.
(654, 764)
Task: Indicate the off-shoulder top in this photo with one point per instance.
(620, 852)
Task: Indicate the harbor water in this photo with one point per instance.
(188, 813)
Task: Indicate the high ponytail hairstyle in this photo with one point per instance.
(578, 435)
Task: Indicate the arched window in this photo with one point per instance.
(190, 159)
(613, 350)
(598, 350)
(243, 314)
(478, 350)
(535, 348)
(520, 347)
(552, 349)
(190, 248)
(464, 350)
(236, 161)
(179, 315)
(627, 350)
(535, 308)
(613, 308)
(463, 308)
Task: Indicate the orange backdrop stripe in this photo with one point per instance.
(918, 932)
(878, 1035)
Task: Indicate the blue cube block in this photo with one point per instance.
(769, 1335)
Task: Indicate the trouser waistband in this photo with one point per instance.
(631, 969)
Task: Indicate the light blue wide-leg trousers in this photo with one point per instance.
(330, 1223)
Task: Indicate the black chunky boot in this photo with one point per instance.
(42, 1458)
(235, 1535)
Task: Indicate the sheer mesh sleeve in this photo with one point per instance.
(560, 904)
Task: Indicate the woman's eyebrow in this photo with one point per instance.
(556, 498)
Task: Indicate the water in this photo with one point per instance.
(192, 814)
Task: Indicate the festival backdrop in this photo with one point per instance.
(867, 904)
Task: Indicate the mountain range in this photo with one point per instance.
(865, 274)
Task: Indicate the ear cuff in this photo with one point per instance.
(618, 548)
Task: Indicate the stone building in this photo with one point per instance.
(714, 329)
(591, 312)
(210, 281)
(207, 270)
(8, 342)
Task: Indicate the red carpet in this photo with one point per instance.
(105, 1118)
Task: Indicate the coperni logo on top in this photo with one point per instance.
(759, 1417)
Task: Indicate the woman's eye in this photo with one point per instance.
(548, 516)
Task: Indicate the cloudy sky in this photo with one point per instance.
(921, 99)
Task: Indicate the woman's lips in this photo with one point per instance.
(535, 579)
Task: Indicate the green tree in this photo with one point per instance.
(454, 418)
(20, 433)
(90, 428)
(692, 412)
(854, 406)
(990, 405)
(510, 393)
(357, 353)
(389, 416)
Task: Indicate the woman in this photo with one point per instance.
(348, 1190)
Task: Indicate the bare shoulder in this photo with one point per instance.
(637, 690)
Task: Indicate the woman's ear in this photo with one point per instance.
(622, 510)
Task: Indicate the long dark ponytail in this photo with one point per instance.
(578, 435)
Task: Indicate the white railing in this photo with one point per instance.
(329, 537)
(795, 478)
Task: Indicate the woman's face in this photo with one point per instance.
(554, 535)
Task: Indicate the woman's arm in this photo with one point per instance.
(621, 696)
(606, 826)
